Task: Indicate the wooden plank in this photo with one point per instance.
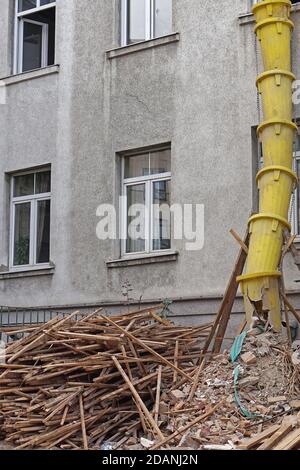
(288, 326)
(64, 417)
(290, 307)
(229, 297)
(83, 428)
(241, 328)
(63, 403)
(290, 246)
(176, 361)
(160, 320)
(140, 365)
(136, 403)
(289, 442)
(157, 400)
(41, 339)
(254, 441)
(144, 346)
(118, 391)
(94, 338)
(138, 399)
(188, 426)
(240, 241)
(196, 380)
(276, 437)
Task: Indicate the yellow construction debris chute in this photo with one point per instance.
(276, 180)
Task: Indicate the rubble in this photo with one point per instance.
(295, 404)
(262, 389)
(296, 358)
(273, 400)
(146, 443)
(125, 383)
(248, 358)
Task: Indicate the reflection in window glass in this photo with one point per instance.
(152, 163)
(137, 22)
(161, 215)
(26, 5)
(43, 232)
(137, 165)
(22, 234)
(24, 185)
(43, 182)
(45, 2)
(145, 19)
(136, 233)
(162, 17)
(32, 46)
(160, 162)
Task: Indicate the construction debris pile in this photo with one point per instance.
(137, 381)
(78, 384)
(268, 394)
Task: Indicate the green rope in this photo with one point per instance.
(234, 355)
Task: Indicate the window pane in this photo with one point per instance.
(297, 211)
(24, 185)
(160, 162)
(45, 2)
(32, 46)
(43, 232)
(297, 143)
(137, 19)
(43, 182)
(163, 17)
(161, 216)
(137, 166)
(136, 213)
(26, 5)
(22, 234)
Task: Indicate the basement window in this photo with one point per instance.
(30, 219)
(142, 20)
(34, 34)
(146, 216)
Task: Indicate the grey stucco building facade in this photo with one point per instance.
(190, 91)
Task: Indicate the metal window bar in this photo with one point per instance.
(18, 317)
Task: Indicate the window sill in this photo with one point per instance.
(144, 45)
(246, 18)
(142, 260)
(27, 272)
(31, 75)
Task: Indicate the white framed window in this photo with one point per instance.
(142, 20)
(30, 219)
(34, 34)
(295, 204)
(146, 190)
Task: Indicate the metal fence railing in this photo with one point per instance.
(12, 318)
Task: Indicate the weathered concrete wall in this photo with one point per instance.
(6, 33)
(198, 93)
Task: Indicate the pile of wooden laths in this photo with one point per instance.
(76, 384)
(276, 437)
